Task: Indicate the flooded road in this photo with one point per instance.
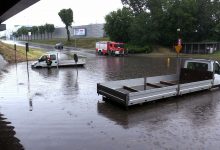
(54, 109)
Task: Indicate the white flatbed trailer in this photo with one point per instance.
(58, 60)
(140, 90)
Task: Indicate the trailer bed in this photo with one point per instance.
(69, 63)
(134, 91)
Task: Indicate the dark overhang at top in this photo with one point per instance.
(9, 8)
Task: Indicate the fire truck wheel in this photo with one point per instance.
(109, 52)
(100, 53)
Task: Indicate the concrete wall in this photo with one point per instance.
(60, 33)
(92, 30)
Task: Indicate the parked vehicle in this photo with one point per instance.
(59, 46)
(110, 48)
(55, 59)
(195, 75)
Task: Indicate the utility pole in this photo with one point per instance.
(178, 49)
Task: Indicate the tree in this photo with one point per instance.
(118, 23)
(15, 34)
(66, 16)
(35, 31)
(41, 31)
(143, 31)
(197, 19)
(137, 6)
(49, 29)
(19, 33)
(178, 15)
(47, 26)
(23, 31)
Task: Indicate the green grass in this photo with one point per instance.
(87, 43)
(164, 52)
(8, 52)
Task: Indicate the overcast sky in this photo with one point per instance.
(46, 11)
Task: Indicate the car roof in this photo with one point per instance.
(199, 60)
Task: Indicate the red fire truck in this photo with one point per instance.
(110, 48)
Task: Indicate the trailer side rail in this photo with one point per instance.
(153, 94)
(112, 94)
(195, 86)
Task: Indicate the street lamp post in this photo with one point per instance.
(179, 42)
(178, 48)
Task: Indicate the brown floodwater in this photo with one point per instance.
(56, 109)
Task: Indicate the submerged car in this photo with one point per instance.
(59, 46)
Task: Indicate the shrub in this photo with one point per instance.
(133, 49)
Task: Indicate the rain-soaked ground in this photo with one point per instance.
(54, 109)
(2, 63)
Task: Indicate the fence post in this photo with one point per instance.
(15, 53)
(27, 50)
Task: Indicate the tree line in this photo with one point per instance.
(144, 22)
(66, 15)
(44, 31)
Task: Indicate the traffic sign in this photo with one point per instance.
(178, 48)
(179, 41)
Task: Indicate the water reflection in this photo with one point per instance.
(168, 63)
(8, 141)
(134, 67)
(197, 108)
(47, 72)
(70, 82)
(28, 89)
(65, 113)
(147, 114)
(202, 108)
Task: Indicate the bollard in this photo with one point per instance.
(15, 53)
(75, 57)
(27, 50)
(57, 61)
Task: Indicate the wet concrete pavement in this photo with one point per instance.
(48, 47)
(2, 63)
(56, 109)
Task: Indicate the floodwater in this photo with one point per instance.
(56, 109)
